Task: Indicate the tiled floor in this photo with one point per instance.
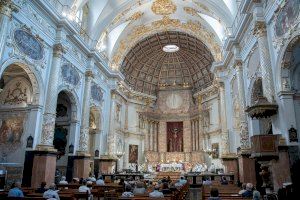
(194, 194)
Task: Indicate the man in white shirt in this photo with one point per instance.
(63, 181)
(156, 193)
(182, 180)
(51, 193)
(85, 188)
(100, 181)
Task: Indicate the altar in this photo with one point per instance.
(170, 167)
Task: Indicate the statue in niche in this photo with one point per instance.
(118, 110)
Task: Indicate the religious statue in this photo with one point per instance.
(175, 143)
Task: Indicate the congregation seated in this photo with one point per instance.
(249, 190)
(127, 192)
(182, 180)
(85, 188)
(139, 189)
(224, 181)
(165, 188)
(256, 195)
(206, 181)
(156, 193)
(243, 189)
(178, 184)
(42, 188)
(92, 178)
(63, 181)
(51, 193)
(100, 181)
(214, 194)
(15, 190)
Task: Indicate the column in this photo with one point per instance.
(44, 162)
(198, 136)
(245, 143)
(7, 7)
(192, 135)
(154, 136)
(51, 100)
(265, 61)
(225, 142)
(195, 136)
(146, 135)
(84, 130)
(151, 136)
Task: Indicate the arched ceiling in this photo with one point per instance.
(147, 68)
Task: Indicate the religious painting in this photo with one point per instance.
(175, 136)
(133, 153)
(28, 44)
(70, 75)
(96, 93)
(287, 17)
(215, 148)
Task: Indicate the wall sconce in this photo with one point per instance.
(71, 148)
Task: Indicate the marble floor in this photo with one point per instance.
(194, 194)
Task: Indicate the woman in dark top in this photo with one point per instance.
(214, 194)
(42, 189)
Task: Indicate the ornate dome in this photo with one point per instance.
(147, 67)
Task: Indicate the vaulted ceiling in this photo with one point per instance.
(147, 68)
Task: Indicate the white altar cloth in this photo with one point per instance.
(165, 167)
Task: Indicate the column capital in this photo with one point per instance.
(58, 50)
(7, 7)
(238, 64)
(259, 29)
(89, 74)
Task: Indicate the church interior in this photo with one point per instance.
(187, 98)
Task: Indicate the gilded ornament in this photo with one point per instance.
(200, 5)
(191, 11)
(163, 7)
(135, 16)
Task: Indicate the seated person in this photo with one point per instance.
(156, 193)
(92, 178)
(182, 180)
(85, 188)
(75, 180)
(178, 184)
(206, 181)
(63, 181)
(127, 192)
(224, 181)
(15, 190)
(166, 189)
(139, 189)
(256, 195)
(249, 190)
(51, 192)
(214, 194)
(42, 188)
(243, 189)
(100, 181)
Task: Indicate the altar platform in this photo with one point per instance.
(173, 175)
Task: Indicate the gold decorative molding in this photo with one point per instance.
(7, 7)
(135, 16)
(259, 28)
(201, 5)
(193, 28)
(163, 7)
(191, 11)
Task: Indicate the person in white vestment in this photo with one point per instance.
(51, 193)
(63, 181)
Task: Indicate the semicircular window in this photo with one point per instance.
(70, 75)
(28, 44)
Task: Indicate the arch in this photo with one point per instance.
(282, 70)
(75, 105)
(35, 79)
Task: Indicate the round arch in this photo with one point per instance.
(35, 79)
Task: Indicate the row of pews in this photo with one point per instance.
(226, 192)
(109, 192)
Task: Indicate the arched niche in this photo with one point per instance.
(19, 94)
(95, 128)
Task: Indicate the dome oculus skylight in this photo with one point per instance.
(170, 48)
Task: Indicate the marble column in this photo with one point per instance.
(44, 162)
(260, 32)
(51, 100)
(192, 135)
(7, 7)
(151, 136)
(146, 136)
(225, 142)
(198, 136)
(84, 130)
(154, 136)
(245, 143)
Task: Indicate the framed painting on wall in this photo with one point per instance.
(133, 153)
